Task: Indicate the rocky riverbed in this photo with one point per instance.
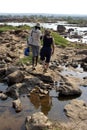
(20, 79)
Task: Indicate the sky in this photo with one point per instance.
(44, 6)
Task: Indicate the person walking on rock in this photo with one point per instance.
(47, 49)
(35, 44)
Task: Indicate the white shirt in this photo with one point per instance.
(36, 34)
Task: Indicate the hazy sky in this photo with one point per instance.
(44, 6)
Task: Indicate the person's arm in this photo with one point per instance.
(41, 37)
(53, 47)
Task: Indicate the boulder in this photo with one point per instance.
(3, 96)
(38, 121)
(17, 105)
(2, 72)
(69, 86)
(61, 28)
(77, 113)
(15, 77)
(76, 109)
(12, 91)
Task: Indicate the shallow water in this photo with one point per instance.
(78, 72)
(52, 105)
(52, 108)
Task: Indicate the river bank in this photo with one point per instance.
(53, 26)
(37, 91)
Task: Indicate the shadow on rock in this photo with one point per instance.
(44, 78)
(67, 97)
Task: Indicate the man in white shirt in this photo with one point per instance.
(35, 45)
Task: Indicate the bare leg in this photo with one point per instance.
(36, 60)
(43, 62)
(33, 62)
(46, 67)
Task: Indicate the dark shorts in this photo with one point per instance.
(45, 54)
(35, 50)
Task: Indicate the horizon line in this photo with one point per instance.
(46, 14)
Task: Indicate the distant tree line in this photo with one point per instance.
(80, 21)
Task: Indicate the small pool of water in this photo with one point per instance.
(84, 94)
(51, 105)
(78, 72)
(3, 87)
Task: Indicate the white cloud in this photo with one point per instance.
(43, 6)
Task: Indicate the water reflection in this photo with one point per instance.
(44, 102)
(35, 100)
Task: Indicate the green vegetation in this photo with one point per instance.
(10, 27)
(23, 27)
(25, 60)
(59, 40)
(80, 21)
